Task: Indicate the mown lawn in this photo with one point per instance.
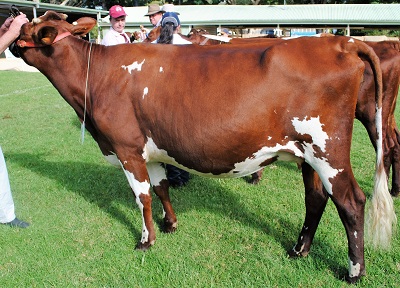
(85, 222)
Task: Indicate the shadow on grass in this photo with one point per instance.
(90, 180)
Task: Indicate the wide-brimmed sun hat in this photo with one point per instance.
(153, 9)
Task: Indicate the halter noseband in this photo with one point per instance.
(23, 43)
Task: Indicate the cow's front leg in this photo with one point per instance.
(315, 200)
(160, 185)
(138, 179)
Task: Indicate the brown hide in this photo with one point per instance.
(389, 56)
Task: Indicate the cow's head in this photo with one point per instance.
(52, 27)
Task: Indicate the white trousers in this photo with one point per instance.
(7, 213)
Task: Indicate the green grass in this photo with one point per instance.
(85, 222)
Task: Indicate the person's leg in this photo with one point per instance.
(7, 212)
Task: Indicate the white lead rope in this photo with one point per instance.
(86, 87)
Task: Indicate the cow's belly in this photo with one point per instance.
(249, 165)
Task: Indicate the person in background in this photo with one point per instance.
(116, 34)
(9, 31)
(155, 14)
(170, 25)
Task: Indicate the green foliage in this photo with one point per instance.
(85, 222)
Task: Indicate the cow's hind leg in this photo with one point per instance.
(395, 190)
(349, 200)
(315, 201)
(160, 184)
(256, 177)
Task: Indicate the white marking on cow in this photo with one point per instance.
(286, 152)
(145, 91)
(161, 69)
(355, 234)
(113, 160)
(151, 153)
(253, 163)
(138, 189)
(156, 173)
(321, 165)
(312, 127)
(125, 162)
(351, 40)
(269, 137)
(354, 269)
(378, 121)
(298, 251)
(134, 66)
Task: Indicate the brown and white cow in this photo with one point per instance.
(293, 101)
(389, 56)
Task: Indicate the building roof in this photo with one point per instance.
(364, 15)
(35, 9)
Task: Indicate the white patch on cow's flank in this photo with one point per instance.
(134, 66)
(312, 127)
(145, 91)
(253, 163)
(355, 234)
(354, 269)
(152, 153)
(113, 160)
(269, 137)
(286, 152)
(321, 166)
(351, 40)
(161, 69)
(156, 173)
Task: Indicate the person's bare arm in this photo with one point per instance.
(10, 29)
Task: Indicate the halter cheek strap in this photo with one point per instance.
(23, 43)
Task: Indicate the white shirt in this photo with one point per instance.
(113, 37)
(177, 39)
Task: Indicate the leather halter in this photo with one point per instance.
(23, 43)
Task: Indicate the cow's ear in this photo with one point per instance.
(82, 26)
(46, 35)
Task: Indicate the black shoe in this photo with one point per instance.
(17, 223)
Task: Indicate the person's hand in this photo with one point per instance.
(7, 23)
(144, 29)
(13, 25)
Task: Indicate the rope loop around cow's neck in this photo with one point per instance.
(86, 89)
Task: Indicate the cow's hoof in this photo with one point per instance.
(170, 227)
(352, 280)
(254, 181)
(296, 254)
(144, 246)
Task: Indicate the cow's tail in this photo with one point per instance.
(381, 217)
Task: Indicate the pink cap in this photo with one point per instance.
(117, 11)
